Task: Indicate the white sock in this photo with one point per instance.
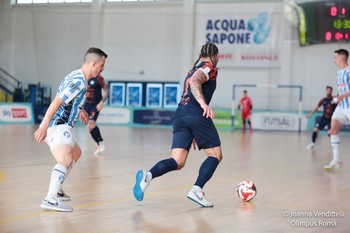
(335, 142)
(149, 176)
(68, 171)
(57, 177)
(197, 189)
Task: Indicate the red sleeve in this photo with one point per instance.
(101, 81)
(321, 101)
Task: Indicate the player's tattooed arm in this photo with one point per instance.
(196, 82)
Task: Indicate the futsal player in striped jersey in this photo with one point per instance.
(192, 124)
(56, 126)
(341, 114)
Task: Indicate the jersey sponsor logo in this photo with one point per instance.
(19, 113)
(74, 87)
(185, 100)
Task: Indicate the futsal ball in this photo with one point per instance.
(246, 190)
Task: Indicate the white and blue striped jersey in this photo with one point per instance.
(72, 91)
(343, 81)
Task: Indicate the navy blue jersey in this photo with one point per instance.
(188, 104)
(94, 90)
(328, 106)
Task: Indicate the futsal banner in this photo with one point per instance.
(247, 35)
(279, 121)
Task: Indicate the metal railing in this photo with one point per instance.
(11, 85)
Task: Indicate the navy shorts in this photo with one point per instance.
(202, 129)
(323, 123)
(92, 111)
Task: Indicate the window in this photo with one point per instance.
(142, 0)
(50, 1)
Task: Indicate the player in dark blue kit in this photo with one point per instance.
(93, 106)
(192, 124)
(328, 108)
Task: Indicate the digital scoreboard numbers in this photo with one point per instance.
(324, 22)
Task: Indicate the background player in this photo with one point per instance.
(58, 121)
(325, 121)
(93, 106)
(192, 124)
(341, 114)
(246, 104)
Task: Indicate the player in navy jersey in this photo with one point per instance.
(325, 121)
(341, 114)
(56, 126)
(192, 125)
(93, 106)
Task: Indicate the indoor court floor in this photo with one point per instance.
(294, 193)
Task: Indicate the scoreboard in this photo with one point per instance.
(324, 22)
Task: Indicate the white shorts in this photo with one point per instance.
(59, 135)
(342, 115)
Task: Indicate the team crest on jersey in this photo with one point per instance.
(66, 134)
(92, 82)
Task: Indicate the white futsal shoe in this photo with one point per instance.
(197, 195)
(310, 146)
(333, 165)
(63, 196)
(100, 149)
(55, 204)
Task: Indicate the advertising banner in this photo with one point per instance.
(114, 115)
(16, 113)
(247, 36)
(278, 121)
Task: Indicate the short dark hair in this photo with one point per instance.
(97, 51)
(245, 91)
(329, 87)
(343, 52)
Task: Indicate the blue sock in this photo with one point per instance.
(162, 167)
(206, 171)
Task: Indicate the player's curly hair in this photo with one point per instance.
(208, 50)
